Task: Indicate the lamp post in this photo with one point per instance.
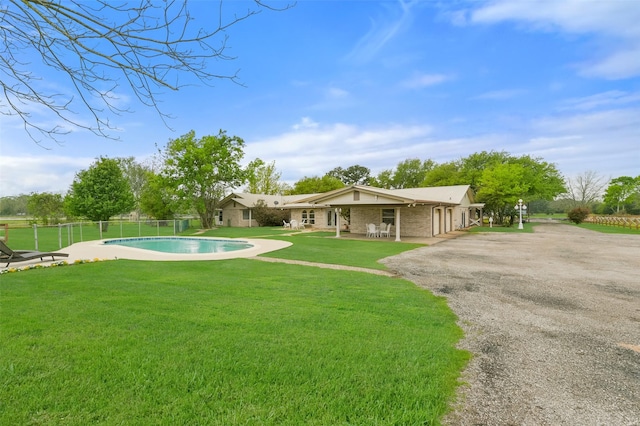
(520, 207)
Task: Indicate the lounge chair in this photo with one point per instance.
(12, 256)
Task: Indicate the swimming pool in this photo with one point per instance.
(182, 245)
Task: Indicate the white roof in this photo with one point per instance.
(250, 200)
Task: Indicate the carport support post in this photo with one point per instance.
(397, 224)
(338, 211)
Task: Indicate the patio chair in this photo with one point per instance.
(285, 224)
(385, 229)
(371, 230)
(12, 256)
(294, 224)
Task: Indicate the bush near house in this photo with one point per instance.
(268, 216)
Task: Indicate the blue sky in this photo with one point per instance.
(339, 83)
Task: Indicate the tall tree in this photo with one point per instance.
(445, 174)
(263, 178)
(409, 173)
(157, 199)
(201, 171)
(14, 205)
(100, 192)
(96, 45)
(315, 184)
(621, 191)
(506, 178)
(137, 175)
(585, 189)
(46, 206)
(352, 175)
(500, 187)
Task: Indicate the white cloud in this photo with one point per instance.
(500, 94)
(605, 141)
(337, 93)
(616, 22)
(605, 99)
(316, 149)
(419, 81)
(396, 18)
(46, 173)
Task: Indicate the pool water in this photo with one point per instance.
(182, 245)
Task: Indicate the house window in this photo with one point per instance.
(389, 216)
(356, 195)
(245, 214)
(310, 216)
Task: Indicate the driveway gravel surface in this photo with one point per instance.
(552, 319)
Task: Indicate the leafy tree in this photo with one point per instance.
(264, 178)
(157, 199)
(622, 190)
(200, 171)
(96, 45)
(409, 173)
(14, 205)
(100, 192)
(315, 184)
(445, 174)
(500, 188)
(352, 175)
(136, 174)
(46, 206)
(383, 180)
(473, 166)
(507, 179)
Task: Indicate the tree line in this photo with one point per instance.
(193, 174)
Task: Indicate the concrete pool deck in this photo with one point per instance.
(91, 250)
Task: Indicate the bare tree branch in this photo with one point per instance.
(147, 45)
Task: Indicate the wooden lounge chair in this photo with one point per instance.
(12, 256)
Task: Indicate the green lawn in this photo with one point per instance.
(527, 227)
(227, 343)
(608, 229)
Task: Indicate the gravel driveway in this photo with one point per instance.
(552, 319)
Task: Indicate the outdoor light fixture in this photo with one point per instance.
(520, 207)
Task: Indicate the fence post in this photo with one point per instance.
(158, 227)
(139, 228)
(100, 227)
(35, 234)
(59, 235)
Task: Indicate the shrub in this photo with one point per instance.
(269, 216)
(578, 215)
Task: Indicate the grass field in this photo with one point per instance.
(526, 227)
(608, 229)
(227, 343)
